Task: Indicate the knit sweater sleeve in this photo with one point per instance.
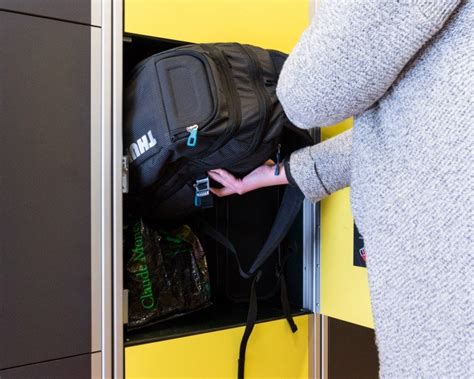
(343, 63)
(322, 169)
(351, 54)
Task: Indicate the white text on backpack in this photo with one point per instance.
(143, 144)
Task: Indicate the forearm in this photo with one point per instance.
(270, 176)
(322, 169)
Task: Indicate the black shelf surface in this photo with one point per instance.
(216, 317)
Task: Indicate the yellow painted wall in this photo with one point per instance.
(273, 352)
(275, 24)
(344, 287)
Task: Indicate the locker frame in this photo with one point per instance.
(101, 14)
(113, 19)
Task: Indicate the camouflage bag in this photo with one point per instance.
(166, 273)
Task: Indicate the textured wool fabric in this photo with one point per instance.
(405, 70)
(324, 168)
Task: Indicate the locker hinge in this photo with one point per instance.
(125, 307)
(125, 174)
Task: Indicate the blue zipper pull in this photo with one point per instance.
(277, 165)
(193, 135)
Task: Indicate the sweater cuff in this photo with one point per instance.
(289, 177)
(304, 173)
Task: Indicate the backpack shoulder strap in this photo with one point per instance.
(213, 233)
(289, 209)
(287, 213)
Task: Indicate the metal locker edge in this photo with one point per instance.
(97, 235)
(116, 37)
(101, 15)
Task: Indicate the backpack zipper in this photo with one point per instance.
(192, 139)
(234, 111)
(263, 99)
(278, 158)
(263, 95)
(234, 103)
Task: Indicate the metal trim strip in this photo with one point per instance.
(308, 255)
(96, 366)
(107, 216)
(96, 12)
(117, 206)
(96, 189)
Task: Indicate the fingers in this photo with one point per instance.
(222, 176)
(230, 184)
(214, 174)
(225, 178)
(262, 176)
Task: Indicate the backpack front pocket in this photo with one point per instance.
(187, 92)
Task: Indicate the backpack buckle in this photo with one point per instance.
(202, 189)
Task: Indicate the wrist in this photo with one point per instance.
(279, 179)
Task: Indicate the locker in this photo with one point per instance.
(50, 275)
(146, 32)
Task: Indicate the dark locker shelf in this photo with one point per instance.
(216, 317)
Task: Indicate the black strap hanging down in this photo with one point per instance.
(289, 209)
(204, 227)
(286, 303)
(252, 316)
(251, 320)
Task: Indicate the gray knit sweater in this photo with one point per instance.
(405, 70)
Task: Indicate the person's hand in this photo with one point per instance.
(263, 176)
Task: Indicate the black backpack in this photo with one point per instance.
(204, 106)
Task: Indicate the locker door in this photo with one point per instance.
(49, 239)
(84, 11)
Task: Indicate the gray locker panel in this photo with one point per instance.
(70, 368)
(45, 204)
(84, 11)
